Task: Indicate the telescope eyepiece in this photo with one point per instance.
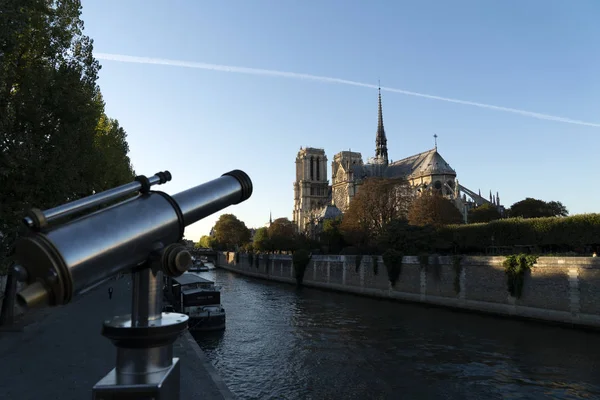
(164, 177)
(244, 181)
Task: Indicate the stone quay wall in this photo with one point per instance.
(557, 289)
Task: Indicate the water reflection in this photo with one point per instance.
(286, 343)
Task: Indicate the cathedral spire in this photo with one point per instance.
(381, 141)
(270, 217)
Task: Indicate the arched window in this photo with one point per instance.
(318, 168)
(311, 168)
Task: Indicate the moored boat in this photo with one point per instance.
(198, 298)
(198, 266)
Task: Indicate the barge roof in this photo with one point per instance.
(190, 279)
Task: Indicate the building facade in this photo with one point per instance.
(315, 199)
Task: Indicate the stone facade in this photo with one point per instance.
(424, 171)
(564, 290)
(311, 189)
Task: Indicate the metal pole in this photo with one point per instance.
(146, 301)
(145, 367)
(7, 314)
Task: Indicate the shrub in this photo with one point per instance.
(300, 259)
(393, 263)
(552, 234)
(515, 267)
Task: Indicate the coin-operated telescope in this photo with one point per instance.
(59, 261)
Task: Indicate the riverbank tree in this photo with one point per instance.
(377, 202)
(484, 213)
(230, 233)
(56, 142)
(534, 208)
(431, 208)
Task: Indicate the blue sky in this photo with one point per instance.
(540, 56)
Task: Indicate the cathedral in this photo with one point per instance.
(316, 200)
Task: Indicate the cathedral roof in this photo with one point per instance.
(330, 211)
(427, 163)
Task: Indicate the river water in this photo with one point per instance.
(282, 342)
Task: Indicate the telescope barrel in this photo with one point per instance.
(67, 259)
(39, 219)
(206, 199)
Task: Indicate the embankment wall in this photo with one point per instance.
(557, 289)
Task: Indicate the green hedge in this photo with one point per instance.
(555, 232)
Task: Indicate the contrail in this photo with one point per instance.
(325, 79)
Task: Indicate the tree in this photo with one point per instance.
(332, 236)
(282, 235)
(112, 165)
(230, 232)
(261, 240)
(534, 208)
(54, 147)
(484, 213)
(431, 208)
(408, 239)
(204, 242)
(377, 202)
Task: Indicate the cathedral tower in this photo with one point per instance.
(311, 188)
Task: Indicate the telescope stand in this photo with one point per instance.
(145, 367)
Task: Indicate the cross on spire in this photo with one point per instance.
(435, 136)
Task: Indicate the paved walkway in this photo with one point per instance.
(60, 353)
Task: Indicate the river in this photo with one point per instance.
(282, 342)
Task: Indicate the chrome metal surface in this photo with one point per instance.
(166, 319)
(70, 258)
(162, 385)
(208, 198)
(92, 201)
(109, 241)
(20, 273)
(146, 304)
(143, 361)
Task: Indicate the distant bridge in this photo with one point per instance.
(204, 252)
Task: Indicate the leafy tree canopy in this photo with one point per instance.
(56, 143)
(282, 235)
(230, 232)
(409, 239)
(433, 209)
(484, 213)
(261, 240)
(205, 242)
(377, 202)
(534, 208)
(332, 236)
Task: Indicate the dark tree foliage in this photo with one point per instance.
(261, 240)
(282, 235)
(534, 208)
(433, 209)
(331, 236)
(409, 239)
(56, 143)
(377, 202)
(484, 213)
